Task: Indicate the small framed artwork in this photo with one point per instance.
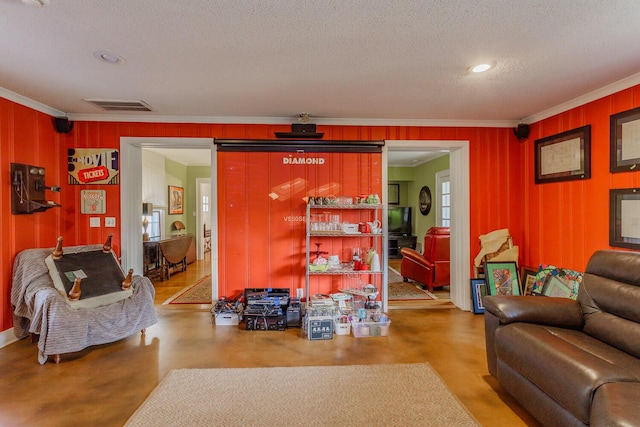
(394, 194)
(176, 200)
(625, 141)
(563, 157)
(502, 278)
(93, 201)
(528, 279)
(478, 290)
(624, 218)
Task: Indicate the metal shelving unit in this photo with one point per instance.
(376, 241)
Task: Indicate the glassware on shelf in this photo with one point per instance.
(318, 252)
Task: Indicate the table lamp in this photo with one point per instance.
(147, 210)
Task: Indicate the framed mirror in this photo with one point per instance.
(424, 200)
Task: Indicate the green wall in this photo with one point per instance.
(410, 180)
(401, 177)
(425, 174)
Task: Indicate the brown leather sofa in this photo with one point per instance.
(573, 363)
(431, 267)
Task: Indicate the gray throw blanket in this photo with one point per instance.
(40, 309)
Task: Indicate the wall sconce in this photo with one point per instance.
(27, 190)
(147, 210)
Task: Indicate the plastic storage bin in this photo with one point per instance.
(342, 328)
(370, 329)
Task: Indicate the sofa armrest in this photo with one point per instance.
(415, 256)
(561, 312)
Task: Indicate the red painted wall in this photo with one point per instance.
(559, 223)
(26, 136)
(564, 223)
(262, 224)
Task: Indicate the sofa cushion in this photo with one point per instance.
(611, 312)
(616, 404)
(567, 364)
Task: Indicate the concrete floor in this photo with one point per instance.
(103, 385)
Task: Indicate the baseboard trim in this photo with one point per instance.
(7, 337)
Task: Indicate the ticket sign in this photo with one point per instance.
(93, 166)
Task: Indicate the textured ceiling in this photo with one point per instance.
(338, 60)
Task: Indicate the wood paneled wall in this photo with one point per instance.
(566, 222)
(28, 137)
(560, 223)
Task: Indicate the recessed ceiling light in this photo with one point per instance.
(480, 68)
(108, 57)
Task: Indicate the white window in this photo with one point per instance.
(205, 203)
(154, 226)
(443, 194)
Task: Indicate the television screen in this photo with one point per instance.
(400, 220)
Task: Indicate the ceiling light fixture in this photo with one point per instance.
(480, 68)
(109, 58)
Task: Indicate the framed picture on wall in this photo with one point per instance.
(624, 218)
(625, 141)
(394, 194)
(176, 200)
(93, 201)
(563, 157)
(502, 278)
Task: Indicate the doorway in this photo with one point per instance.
(203, 216)
(131, 204)
(460, 214)
(131, 196)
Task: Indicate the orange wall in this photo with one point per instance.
(27, 136)
(566, 222)
(262, 224)
(559, 223)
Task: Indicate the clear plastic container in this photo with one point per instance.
(370, 329)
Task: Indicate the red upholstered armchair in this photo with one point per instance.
(431, 268)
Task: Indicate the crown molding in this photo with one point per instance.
(144, 118)
(618, 86)
(27, 102)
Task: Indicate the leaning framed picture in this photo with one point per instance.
(625, 141)
(176, 200)
(478, 290)
(563, 157)
(624, 218)
(527, 278)
(502, 278)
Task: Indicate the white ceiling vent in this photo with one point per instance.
(121, 104)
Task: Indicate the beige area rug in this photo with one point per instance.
(198, 293)
(381, 395)
(400, 290)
